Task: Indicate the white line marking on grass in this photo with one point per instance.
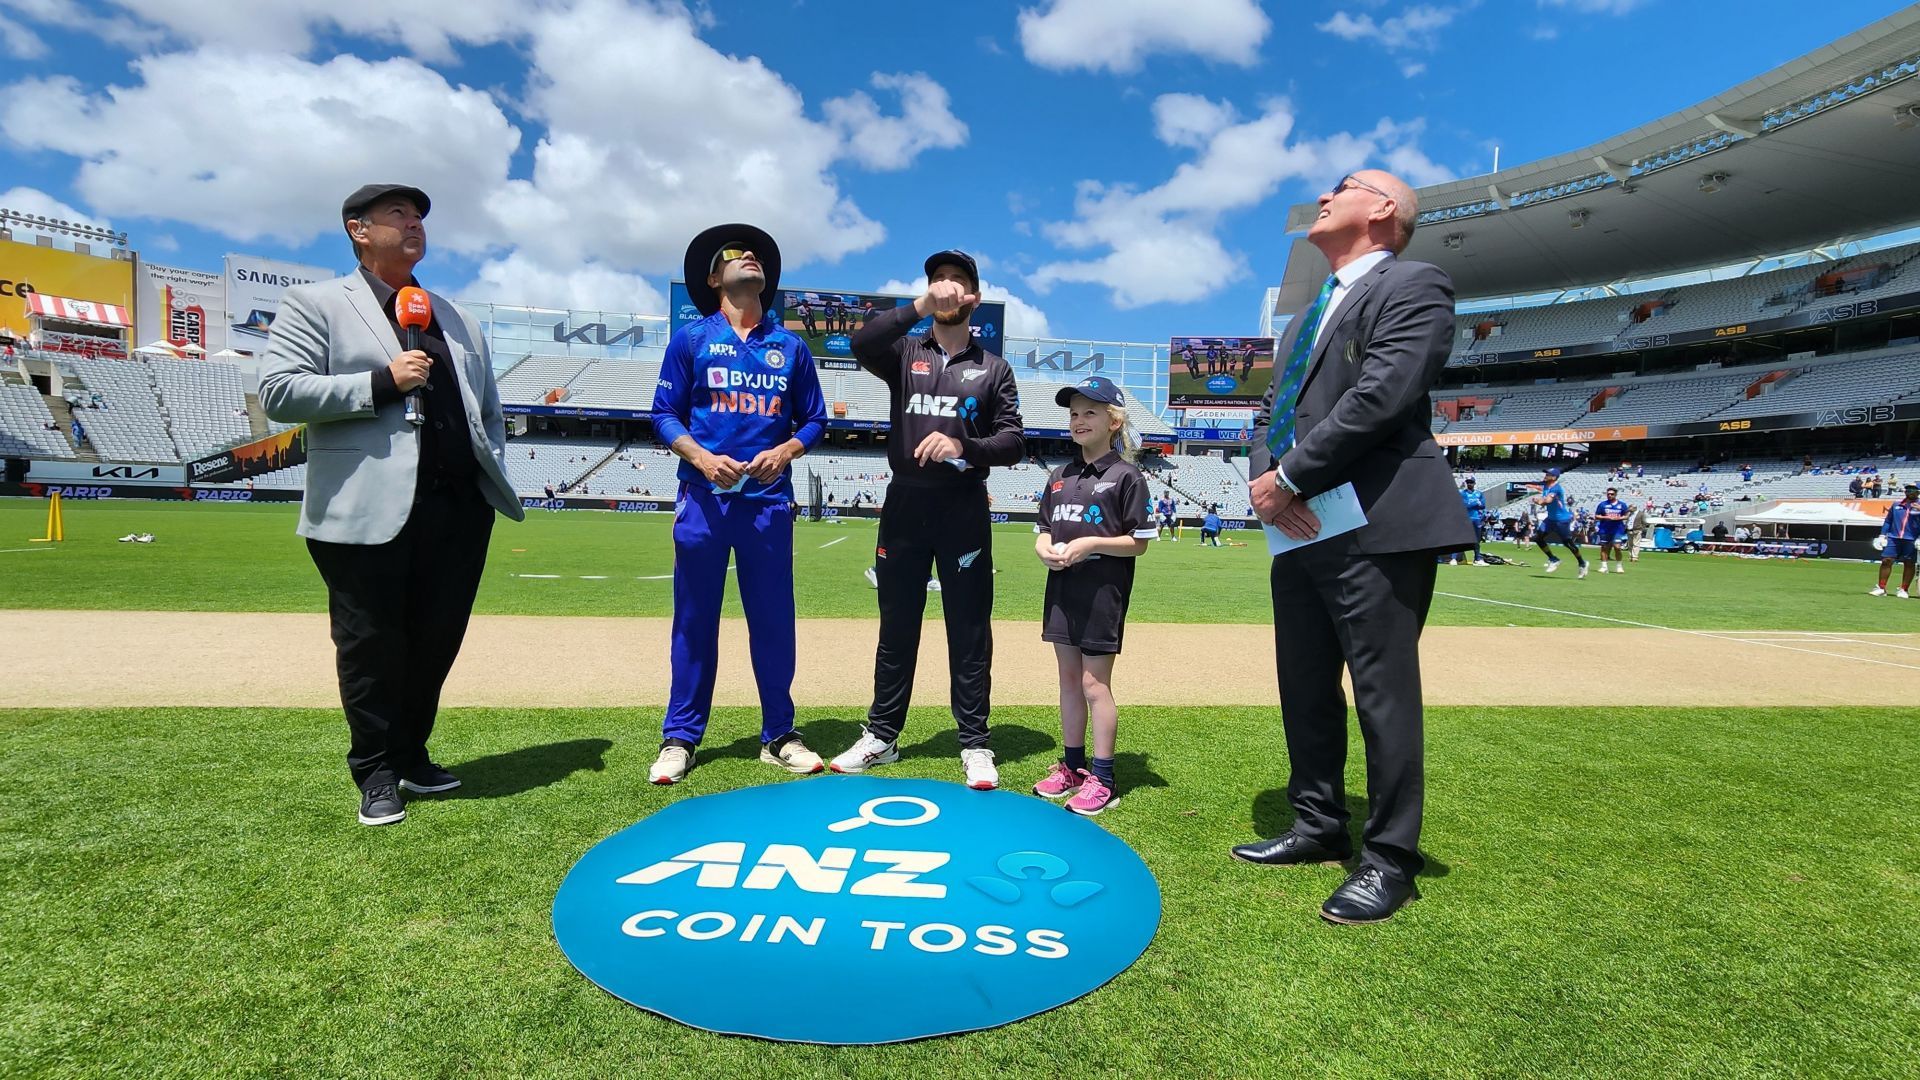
(549, 577)
(17, 551)
(593, 577)
(1677, 630)
(832, 542)
(1827, 637)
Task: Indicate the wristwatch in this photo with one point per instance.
(1280, 481)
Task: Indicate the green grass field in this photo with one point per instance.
(246, 558)
(1611, 893)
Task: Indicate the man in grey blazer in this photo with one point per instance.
(405, 469)
(1349, 405)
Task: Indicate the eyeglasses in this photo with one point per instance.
(728, 254)
(1345, 180)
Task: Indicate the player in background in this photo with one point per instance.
(1476, 505)
(1557, 524)
(1610, 530)
(1901, 531)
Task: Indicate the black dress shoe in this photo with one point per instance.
(428, 779)
(1288, 849)
(381, 806)
(1369, 895)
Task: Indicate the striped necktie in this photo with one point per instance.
(1286, 392)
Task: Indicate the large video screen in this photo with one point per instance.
(826, 320)
(1219, 371)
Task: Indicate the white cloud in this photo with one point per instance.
(427, 29)
(1024, 320)
(26, 200)
(926, 122)
(1597, 7)
(1410, 70)
(20, 42)
(1118, 34)
(1417, 28)
(264, 146)
(590, 286)
(1188, 119)
(1162, 245)
(73, 17)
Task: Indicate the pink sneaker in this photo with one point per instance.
(1093, 797)
(1062, 781)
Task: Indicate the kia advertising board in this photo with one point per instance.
(1219, 371)
(254, 288)
(850, 910)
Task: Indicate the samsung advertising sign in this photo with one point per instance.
(848, 910)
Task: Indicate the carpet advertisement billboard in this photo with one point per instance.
(827, 320)
(180, 307)
(26, 269)
(1219, 371)
(254, 288)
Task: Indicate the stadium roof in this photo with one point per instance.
(1822, 149)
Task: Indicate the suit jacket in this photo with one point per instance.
(1363, 414)
(362, 462)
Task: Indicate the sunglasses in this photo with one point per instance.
(728, 254)
(1345, 180)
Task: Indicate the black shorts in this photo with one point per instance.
(1086, 607)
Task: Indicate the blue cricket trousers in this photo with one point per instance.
(757, 533)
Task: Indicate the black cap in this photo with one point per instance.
(955, 257)
(699, 263)
(1469, 481)
(372, 193)
(1096, 387)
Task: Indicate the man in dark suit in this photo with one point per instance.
(1349, 405)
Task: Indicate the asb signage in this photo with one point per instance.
(856, 910)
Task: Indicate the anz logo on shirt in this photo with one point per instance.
(943, 405)
(1091, 515)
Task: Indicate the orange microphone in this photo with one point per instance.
(414, 311)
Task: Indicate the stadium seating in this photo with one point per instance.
(534, 461)
(24, 417)
(529, 381)
(639, 470)
(205, 406)
(118, 410)
(1861, 382)
(1547, 407)
(616, 384)
(1670, 401)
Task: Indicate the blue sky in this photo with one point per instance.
(1123, 166)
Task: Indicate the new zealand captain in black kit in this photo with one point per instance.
(955, 413)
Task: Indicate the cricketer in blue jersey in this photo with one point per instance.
(1559, 522)
(1476, 504)
(1901, 534)
(738, 399)
(1610, 530)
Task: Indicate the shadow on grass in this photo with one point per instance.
(1273, 815)
(516, 771)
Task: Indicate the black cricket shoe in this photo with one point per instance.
(381, 806)
(429, 779)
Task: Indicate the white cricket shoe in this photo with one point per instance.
(1619, 568)
(1876, 591)
(981, 774)
(1552, 565)
(1902, 594)
(792, 755)
(672, 764)
(873, 579)
(1603, 568)
(1584, 568)
(866, 751)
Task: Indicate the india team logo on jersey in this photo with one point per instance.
(776, 359)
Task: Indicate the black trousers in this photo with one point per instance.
(921, 528)
(399, 612)
(1335, 607)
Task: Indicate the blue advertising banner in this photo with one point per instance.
(850, 910)
(826, 320)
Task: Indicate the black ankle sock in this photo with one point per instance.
(1075, 757)
(1103, 770)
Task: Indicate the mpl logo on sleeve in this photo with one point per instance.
(927, 908)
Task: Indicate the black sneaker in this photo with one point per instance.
(381, 806)
(429, 779)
